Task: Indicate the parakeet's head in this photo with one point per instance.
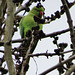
(38, 10)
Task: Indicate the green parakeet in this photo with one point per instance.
(28, 22)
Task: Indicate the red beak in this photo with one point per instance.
(41, 13)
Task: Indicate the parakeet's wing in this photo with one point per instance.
(26, 24)
(21, 29)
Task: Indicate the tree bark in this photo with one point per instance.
(8, 37)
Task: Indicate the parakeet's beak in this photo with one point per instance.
(41, 14)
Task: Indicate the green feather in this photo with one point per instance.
(28, 22)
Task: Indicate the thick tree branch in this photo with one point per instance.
(70, 70)
(8, 36)
(70, 23)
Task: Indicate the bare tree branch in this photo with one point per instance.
(26, 59)
(70, 70)
(23, 7)
(2, 5)
(70, 23)
(8, 36)
(58, 65)
(49, 54)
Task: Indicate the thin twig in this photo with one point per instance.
(44, 54)
(49, 54)
(60, 13)
(23, 7)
